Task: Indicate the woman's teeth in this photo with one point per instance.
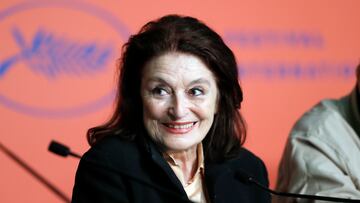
(180, 126)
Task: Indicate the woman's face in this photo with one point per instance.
(179, 96)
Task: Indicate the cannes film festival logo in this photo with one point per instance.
(51, 55)
(58, 58)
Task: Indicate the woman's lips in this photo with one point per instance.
(179, 127)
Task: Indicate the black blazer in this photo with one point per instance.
(115, 170)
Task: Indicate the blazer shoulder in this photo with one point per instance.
(248, 157)
(112, 151)
(251, 164)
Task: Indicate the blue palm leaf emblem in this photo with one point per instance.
(51, 56)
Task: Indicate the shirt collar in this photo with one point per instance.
(200, 158)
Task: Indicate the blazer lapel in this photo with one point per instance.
(157, 158)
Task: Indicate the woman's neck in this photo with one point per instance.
(187, 161)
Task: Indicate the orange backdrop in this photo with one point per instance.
(57, 64)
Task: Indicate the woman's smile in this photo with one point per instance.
(179, 127)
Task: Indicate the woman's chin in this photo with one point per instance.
(179, 146)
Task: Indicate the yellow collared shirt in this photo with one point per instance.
(194, 188)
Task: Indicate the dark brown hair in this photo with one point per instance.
(174, 33)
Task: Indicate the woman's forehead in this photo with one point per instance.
(177, 67)
(174, 62)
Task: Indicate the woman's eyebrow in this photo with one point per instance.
(157, 79)
(194, 82)
(200, 81)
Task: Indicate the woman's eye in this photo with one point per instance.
(159, 91)
(196, 91)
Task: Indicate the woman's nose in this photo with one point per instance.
(178, 107)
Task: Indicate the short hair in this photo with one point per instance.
(183, 34)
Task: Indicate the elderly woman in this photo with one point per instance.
(176, 134)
